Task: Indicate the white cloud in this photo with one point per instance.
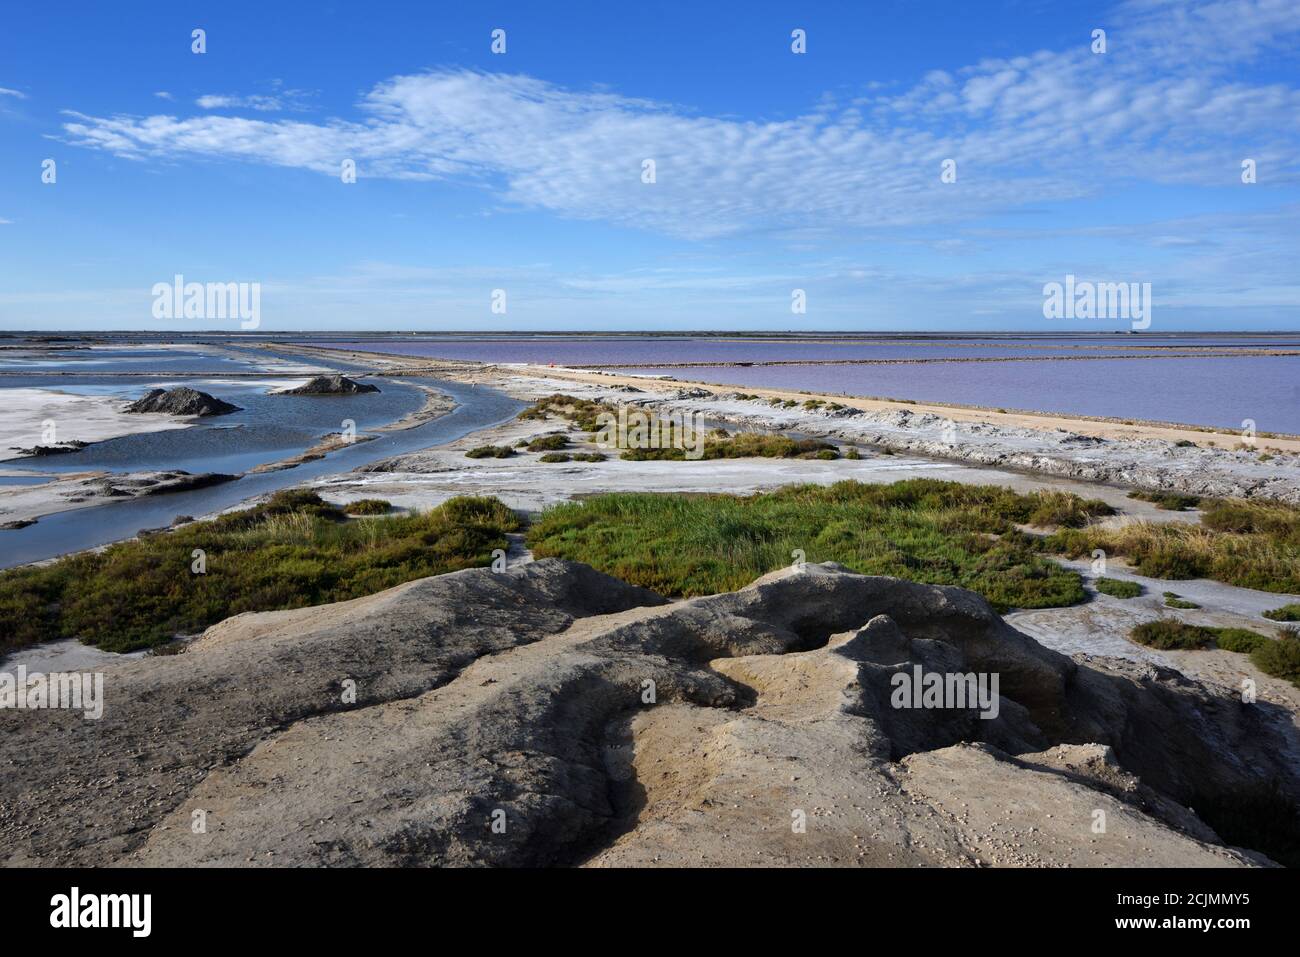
(5, 91)
(282, 99)
(1024, 130)
(164, 95)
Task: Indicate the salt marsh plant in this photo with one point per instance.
(295, 550)
(923, 530)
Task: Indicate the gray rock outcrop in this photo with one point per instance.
(552, 715)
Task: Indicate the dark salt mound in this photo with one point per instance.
(330, 385)
(181, 401)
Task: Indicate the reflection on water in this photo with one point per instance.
(268, 428)
(1219, 391)
(83, 528)
(1211, 392)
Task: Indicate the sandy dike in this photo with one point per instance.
(1130, 455)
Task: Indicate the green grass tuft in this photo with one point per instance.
(1166, 634)
(1245, 543)
(1280, 658)
(1118, 588)
(924, 530)
(548, 443)
(743, 445)
(490, 452)
(368, 506)
(1169, 501)
(295, 550)
(584, 413)
(1285, 613)
(1240, 640)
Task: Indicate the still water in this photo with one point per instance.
(268, 428)
(1221, 391)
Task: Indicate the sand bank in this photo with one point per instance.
(31, 417)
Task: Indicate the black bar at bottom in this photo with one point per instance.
(347, 906)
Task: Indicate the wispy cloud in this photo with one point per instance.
(1043, 127)
(5, 91)
(281, 99)
(221, 101)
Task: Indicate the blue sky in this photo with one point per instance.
(774, 171)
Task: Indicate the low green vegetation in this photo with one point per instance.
(572, 457)
(490, 452)
(1169, 501)
(1278, 657)
(742, 445)
(1285, 613)
(1240, 640)
(924, 530)
(548, 443)
(1118, 588)
(295, 550)
(671, 442)
(1245, 543)
(1166, 634)
(581, 412)
(1064, 509)
(368, 506)
(1174, 600)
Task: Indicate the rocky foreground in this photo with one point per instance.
(551, 715)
